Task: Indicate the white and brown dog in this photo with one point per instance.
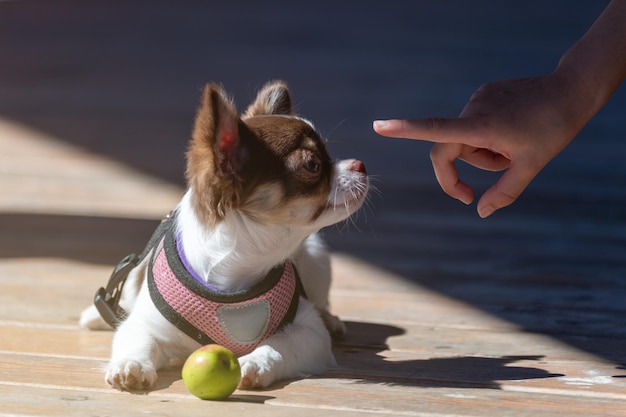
(239, 262)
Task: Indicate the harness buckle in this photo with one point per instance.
(107, 300)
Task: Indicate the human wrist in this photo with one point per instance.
(578, 100)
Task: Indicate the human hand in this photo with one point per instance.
(516, 125)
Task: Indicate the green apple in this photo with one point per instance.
(212, 372)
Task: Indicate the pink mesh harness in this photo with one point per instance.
(239, 321)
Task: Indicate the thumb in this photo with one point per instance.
(434, 129)
(506, 190)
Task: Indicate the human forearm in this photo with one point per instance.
(596, 65)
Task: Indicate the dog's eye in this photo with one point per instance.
(312, 165)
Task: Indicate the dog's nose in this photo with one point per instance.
(358, 166)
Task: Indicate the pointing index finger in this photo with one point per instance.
(433, 129)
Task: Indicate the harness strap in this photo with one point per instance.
(107, 299)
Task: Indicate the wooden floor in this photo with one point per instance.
(410, 351)
(522, 314)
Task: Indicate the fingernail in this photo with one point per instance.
(485, 211)
(380, 124)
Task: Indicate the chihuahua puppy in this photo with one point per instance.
(240, 263)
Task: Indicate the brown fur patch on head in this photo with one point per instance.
(301, 181)
(232, 163)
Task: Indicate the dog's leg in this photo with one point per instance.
(134, 360)
(301, 349)
(334, 325)
(137, 354)
(312, 261)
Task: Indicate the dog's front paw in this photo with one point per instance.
(130, 375)
(260, 368)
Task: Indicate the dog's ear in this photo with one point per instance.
(273, 98)
(216, 155)
(217, 131)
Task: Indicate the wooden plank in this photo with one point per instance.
(403, 398)
(398, 396)
(54, 340)
(47, 290)
(414, 307)
(18, 400)
(65, 372)
(55, 177)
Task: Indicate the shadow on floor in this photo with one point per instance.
(359, 357)
(98, 240)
